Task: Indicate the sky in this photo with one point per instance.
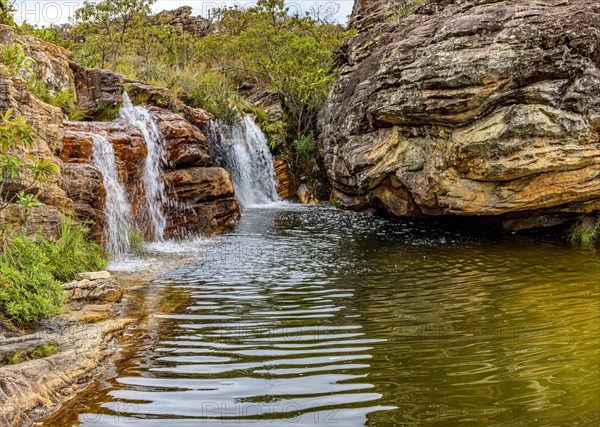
(46, 12)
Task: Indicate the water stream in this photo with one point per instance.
(308, 316)
(117, 208)
(152, 217)
(242, 149)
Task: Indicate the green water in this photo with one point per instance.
(310, 316)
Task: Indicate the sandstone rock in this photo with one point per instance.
(101, 290)
(473, 108)
(94, 275)
(203, 200)
(306, 196)
(54, 66)
(98, 90)
(141, 93)
(284, 179)
(183, 19)
(186, 145)
(84, 186)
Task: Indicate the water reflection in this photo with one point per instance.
(315, 317)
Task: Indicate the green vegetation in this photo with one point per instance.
(137, 243)
(20, 175)
(64, 99)
(32, 270)
(14, 58)
(337, 203)
(585, 234)
(260, 49)
(41, 351)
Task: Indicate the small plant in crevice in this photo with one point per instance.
(337, 203)
(585, 234)
(107, 113)
(22, 355)
(63, 99)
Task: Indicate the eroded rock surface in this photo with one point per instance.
(469, 107)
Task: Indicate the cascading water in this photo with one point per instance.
(242, 149)
(152, 216)
(117, 208)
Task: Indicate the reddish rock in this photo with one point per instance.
(84, 185)
(185, 144)
(203, 200)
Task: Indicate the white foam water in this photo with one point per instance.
(117, 208)
(152, 216)
(242, 149)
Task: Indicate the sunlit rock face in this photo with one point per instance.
(472, 108)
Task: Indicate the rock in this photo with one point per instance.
(203, 200)
(84, 186)
(95, 275)
(182, 18)
(141, 93)
(54, 66)
(98, 290)
(306, 196)
(98, 91)
(284, 179)
(472, 108)
(186, 145)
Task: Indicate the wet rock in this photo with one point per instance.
(84, 186)
(469, 108)
(98, 91)
(185, 145)
(203, 200)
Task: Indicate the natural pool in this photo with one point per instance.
(311, 316)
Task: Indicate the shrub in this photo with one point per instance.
(28, 291)
(73, 253)
(214, 93)
(15, 59)
(32, 270)
(64, 99)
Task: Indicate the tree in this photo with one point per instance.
(106, 28)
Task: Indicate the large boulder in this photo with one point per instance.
(469, 107)
(99, 92)
(185, 144)
(203, 200)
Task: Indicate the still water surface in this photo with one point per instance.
(311, 316)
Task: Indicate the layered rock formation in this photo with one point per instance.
(469, 107)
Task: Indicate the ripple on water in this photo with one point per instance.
(310, 316)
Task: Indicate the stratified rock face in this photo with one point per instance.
(469, 107)
(84, 185)
(205, 200)
(98, 90)
(186, 145)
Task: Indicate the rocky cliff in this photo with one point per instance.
(469, 107)
(201, 196)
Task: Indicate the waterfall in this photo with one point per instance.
(243, 150)
(117, 208)
(152, 215)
